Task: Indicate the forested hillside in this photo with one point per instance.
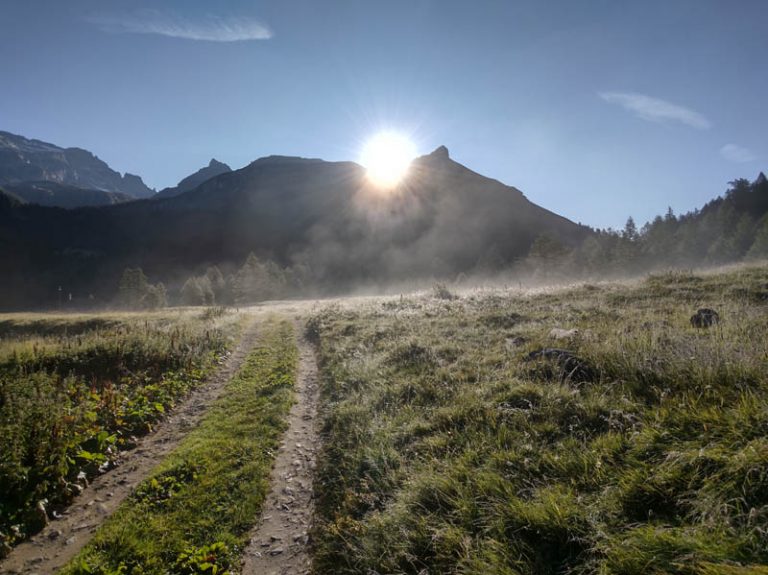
(323, 218)
(731, 228)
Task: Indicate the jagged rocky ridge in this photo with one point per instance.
(38, 170)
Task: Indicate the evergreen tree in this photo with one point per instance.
(658, 241)
(276, 281)
(630, 230)
(259, 280)
(155, 297)
(206, 289)
(229, 290)
(192, 293)
(759, 248)
(547, 256)
(690, 246)
(132, 287)
(590, 258)
(743, 235)
(217, 283)
(135, 292)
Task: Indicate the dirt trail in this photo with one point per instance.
(279, 543)
(53, 547)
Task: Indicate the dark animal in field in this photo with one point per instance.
(705, 317)
(571, 367)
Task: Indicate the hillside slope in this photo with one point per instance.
(23, 160)
(443, 220)
(213, 169)
(53, 194)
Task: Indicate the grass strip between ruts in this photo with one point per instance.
(194, 513)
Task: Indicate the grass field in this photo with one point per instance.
(194, 513)
(75, 390)
(583, 430)
(456, 443)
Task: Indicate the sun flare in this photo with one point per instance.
(387, 157)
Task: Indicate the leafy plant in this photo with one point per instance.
(162, 487)
(74, 392)
(208, 560)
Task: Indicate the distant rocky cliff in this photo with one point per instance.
(24, 162)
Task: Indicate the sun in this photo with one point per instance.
(387, 157)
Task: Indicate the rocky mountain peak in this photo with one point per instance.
(214, 163)
(440, 153)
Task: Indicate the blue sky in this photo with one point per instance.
(596, 109)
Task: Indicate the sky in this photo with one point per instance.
(595, 109)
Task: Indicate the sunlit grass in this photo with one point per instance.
(448, 451)
(74, 391)
(201, 502)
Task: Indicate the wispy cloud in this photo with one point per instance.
(208, 28)
(656, 110)
(735, 153)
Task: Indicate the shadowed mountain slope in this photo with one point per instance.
(442, 220)
(23, 160)
(60, 195)
(213, 169)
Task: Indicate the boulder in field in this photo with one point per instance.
(560, 333)
(705, 317)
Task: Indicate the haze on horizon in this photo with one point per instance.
(596, 110)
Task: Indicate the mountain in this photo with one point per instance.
(24, 161)
(441, 221)
(213, 169)
(9, 201)
(63, 196)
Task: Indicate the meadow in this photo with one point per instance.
(194, 513)
(463, 435)
(76, 390)
(586, 429)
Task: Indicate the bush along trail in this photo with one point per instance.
(74, 526)
(76, 392)
(194, 512)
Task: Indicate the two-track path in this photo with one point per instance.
(63, 538)
(279, 543)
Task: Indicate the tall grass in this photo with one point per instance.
(75, 393)
(452, 446)
(194, 514)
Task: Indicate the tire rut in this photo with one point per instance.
(64, 537)
(280, 542)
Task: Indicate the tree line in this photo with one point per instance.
(731, 228)
(728, 229)
(256, 280)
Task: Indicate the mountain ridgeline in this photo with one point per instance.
(285, 226)
(213, 169)
(43, 173)
(443, 220)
